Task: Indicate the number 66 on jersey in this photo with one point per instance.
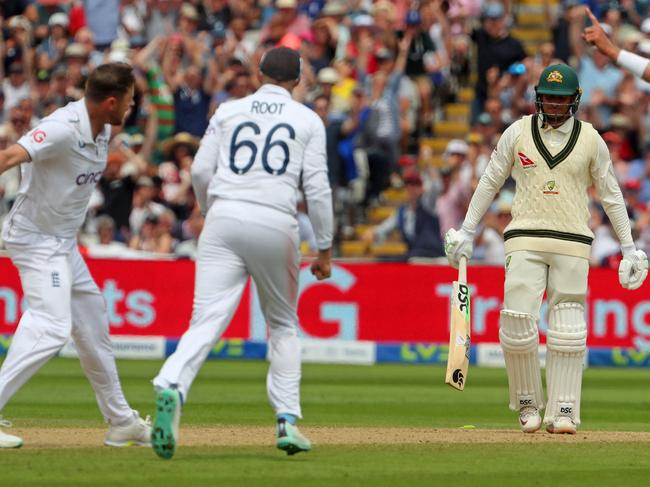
(459, 330)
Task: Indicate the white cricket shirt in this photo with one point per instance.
(259, 149)
(66, 164)
(550, 209)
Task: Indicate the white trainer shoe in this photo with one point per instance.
(6, 440)
(136, 433)
(529, 419)
(562, 425)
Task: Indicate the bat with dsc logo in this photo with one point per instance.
(459, 333)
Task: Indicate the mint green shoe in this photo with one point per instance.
(164, 434)
(290, 439)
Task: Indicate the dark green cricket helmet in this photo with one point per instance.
(560, 80)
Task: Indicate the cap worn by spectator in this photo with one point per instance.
(334, 8)
(446, 171)
(632, 185)
(408, 160)
(612, 137)
(75, 50)
(485, 119)
(181, 138)
(136, 139)
(629, 35)
(59, 19)
(219, 31)
(493, 11)
(144, 182)
(474, 138)
(383, 6)
(59, 72)
(120, 51)
(619, 121)
(457, 146)
(413, 177)
(285, 4)
(43, 75)
(189, 12)
(363, 20)
(413, 18)
(20, 22)
(152, 219)
(16, 68)
(328, 75)
(384, 54)
(517, 69)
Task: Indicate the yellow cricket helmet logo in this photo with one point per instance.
(555, 77)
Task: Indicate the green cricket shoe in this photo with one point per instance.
(290, 439)
(164, 433)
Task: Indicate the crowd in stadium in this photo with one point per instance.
(381, 74)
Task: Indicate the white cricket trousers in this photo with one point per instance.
(241, 240)
(530, 273)
(63, 300)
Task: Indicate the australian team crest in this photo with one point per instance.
(550, 188)
(555, 77)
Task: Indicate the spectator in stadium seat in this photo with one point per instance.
(15, 87)
(490, 248)
(105, 245)
(153, 236)
(192, 92)
(423, 66)
(416, 221)
(455, 186)
(190, 232)
(51, 49)
(495, 48)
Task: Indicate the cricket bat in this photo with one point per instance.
(459, 330)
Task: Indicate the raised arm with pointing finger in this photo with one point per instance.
(634, 63)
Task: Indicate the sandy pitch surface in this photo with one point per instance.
(264, 436)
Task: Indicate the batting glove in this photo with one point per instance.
(633, 269)
(458, 243)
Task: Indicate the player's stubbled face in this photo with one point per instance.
(122, 107)
(556, 108)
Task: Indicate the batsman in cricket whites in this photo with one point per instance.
(553, 158)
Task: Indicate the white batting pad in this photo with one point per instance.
(520, 340)
(566, 343)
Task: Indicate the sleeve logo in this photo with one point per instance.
(38, 136)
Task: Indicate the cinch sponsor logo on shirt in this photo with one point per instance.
(526, 162)
(88, 178)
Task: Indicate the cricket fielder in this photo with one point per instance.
(67, 154)
(554, 159)
(246, 174)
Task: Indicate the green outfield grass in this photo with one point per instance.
(233, 393)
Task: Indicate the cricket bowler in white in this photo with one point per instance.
(62, 159)
(554, 158)
(255, 154)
